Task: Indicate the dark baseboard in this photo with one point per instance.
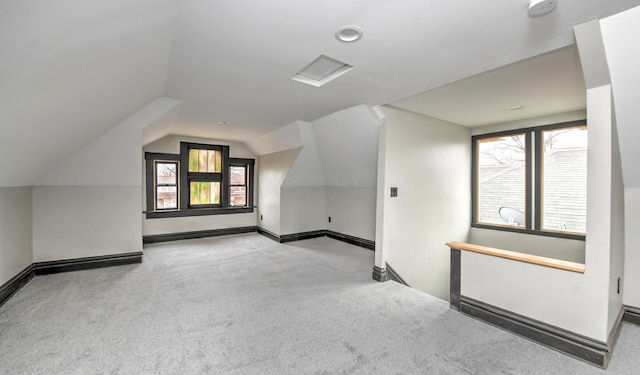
(395, 276)
(631, 315)
(268, 234)
(9, 288)
(154, 238)
(367, 244)
(78, 264)
(380, 274)
(361, 242)
(302, 236)
(592, 351)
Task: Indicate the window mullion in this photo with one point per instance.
(226, 189)
(474, 180)
(529, 178)
(539, 194)
(184, 173)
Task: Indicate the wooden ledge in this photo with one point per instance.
(521, 257)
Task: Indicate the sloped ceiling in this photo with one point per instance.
(70, 70)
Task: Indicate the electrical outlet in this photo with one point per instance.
(329, 218)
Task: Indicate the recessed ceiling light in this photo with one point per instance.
(349, 33)
(515, 107)
(541, 7)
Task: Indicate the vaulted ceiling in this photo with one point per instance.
(70, 70)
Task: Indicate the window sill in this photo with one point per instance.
(506, 228)
(198, 212)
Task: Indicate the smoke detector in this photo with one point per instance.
(541, 7)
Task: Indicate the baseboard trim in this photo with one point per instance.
(631, 315)
(380, 274)
(302, 236)
(78, 264)
(361, 242)
(8, 289)
(268, 234)
(367, 244)
(395, 276)
(591, 351)
(155, 238)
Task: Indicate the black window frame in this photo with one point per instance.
(152, 158)
(248, 165)
(533, 180)
(187, 177)
(184, 178)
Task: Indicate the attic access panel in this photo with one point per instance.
(321, 71)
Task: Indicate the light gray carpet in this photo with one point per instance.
(246, 305)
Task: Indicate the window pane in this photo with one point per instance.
(166, 197)
(205, 161)
(238, 196)
(193, 160)
(166, 173)
(564, 198)
(201, 193)
(194, 193)
(218, 161)
(203, 157)
(237, 175)
(501, 180)
(215, 192)
(211, 162)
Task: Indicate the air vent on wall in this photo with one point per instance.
(322, 70)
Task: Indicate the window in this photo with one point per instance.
(211, 182)
(204, 176)
(163, 171)
(166, 185)
(239, 172)
(532, 180)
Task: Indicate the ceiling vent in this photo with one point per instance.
(322, 70)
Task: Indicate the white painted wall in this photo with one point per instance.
(348, 146)
(81, 221)
(307, 169)
(90, 205)
(272, 171)
(352, 210)
(334, 173)
(550, 247)
(302, 209)
(621, 34)
(348, 149)
(428, 160)
(284, 138)
(15, 231)
(616, 267)
(632, 248)
(302, 195)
